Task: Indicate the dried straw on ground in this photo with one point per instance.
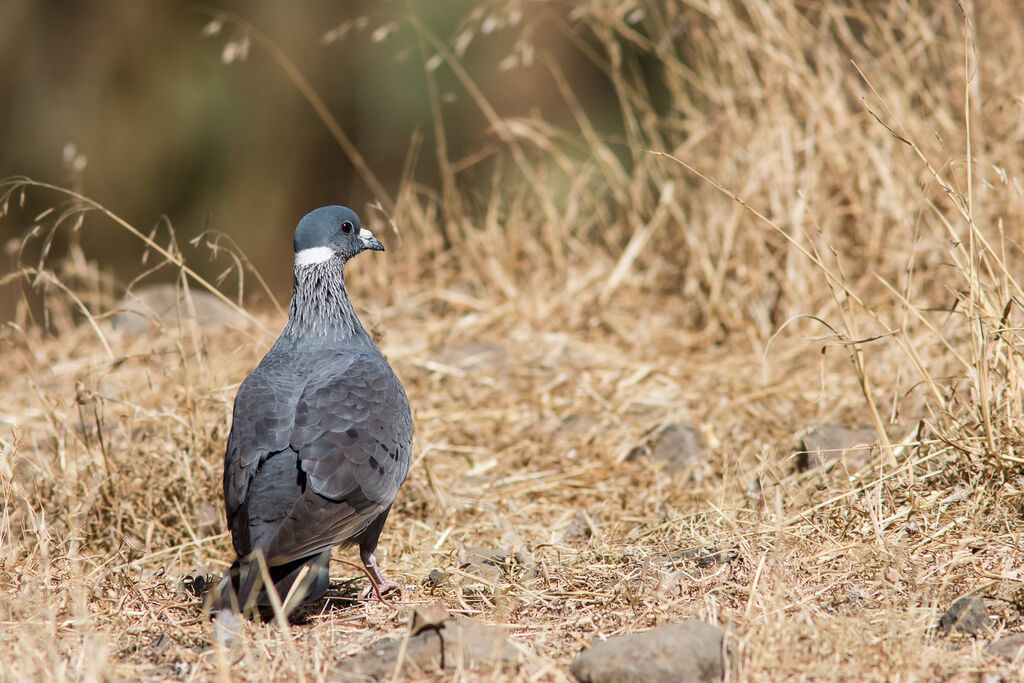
(871, 279)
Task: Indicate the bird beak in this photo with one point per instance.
(369, 241)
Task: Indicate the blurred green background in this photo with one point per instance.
(144, 108)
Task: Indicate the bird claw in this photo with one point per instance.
(384, 586)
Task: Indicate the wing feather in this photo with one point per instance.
(349, 422)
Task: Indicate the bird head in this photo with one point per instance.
(331, 231)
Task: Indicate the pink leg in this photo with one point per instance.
(381, 583)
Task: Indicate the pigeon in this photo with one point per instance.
(321, 436)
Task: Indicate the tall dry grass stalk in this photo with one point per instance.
(828, 231)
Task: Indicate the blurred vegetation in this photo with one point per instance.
(150, 110)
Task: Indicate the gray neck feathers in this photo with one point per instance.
(320, 308)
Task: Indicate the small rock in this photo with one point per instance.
(484, 565)
(1009, 647)
(703, 556)
(207, 518)
(690, 651)
(227, 627)
(159, 645)
(717, 557)
(471, 356)
(965, 615)
(579, 425)
(457, 644)
(496, 557)
(524, 558)
(709, 557)
(436, 578)
(677, 445)
(167, 305)
(826, 444)
(581, 527)
(428, 616)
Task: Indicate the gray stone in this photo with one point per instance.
(159, 645)
(167, 306)
(686, 652)
(497, 557)
(471, 356)
(679, 446)
(582, 527)
(428, 616)
(449, 644)
(823, 445)
(484, 565)
(703, 556)
(1009, 647)
(435, 579)
(227, 627)
(965, 615)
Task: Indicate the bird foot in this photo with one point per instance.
(384, 585)
(380, 583)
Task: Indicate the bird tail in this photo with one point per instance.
(252, 586)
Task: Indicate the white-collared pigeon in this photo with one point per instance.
(321, 434)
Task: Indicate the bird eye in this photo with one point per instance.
(346, 227)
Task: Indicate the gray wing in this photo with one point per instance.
(261, 425)
(353, 435)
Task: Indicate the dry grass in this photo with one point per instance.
(598, 292)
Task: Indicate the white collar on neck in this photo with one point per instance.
(308, 257)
